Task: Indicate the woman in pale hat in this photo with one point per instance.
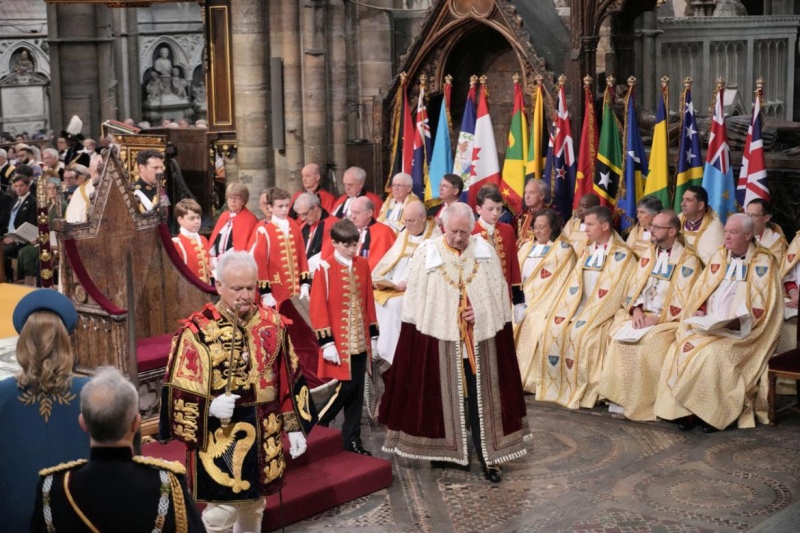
(39, 407)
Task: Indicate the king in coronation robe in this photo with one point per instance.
(658, 295)
(720, 376)
(576, 330)
(546, 262)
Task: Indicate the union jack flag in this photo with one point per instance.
(753, 175)
(563, 159)
(421, 147)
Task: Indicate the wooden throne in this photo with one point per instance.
(92, 273)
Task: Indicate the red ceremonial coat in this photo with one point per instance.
(337, 289)
(505, 244)
(326, 199)
(377, 202)
(282, 262)
(379, 239)
(195, 254)
(243, 225)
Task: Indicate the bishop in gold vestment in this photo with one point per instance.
(658, 294)
(574, 340)
(716, 376)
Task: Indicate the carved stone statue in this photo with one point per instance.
(730, 8)
(179, 84)
(154, 88)
(23, 67)
(163, 65)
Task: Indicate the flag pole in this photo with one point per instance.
(623, 185)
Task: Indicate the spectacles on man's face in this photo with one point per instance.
(400, 186)
(653, 226)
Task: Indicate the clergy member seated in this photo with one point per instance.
(375, 238)
(449, 192)
(234, 227)
(390, 275)
(790, 277)
(534, 198)
(657, 296)
(768, 234)
(392, 209)
(639, 237)
(702, 228)
(354, 180)
(575, 228)
(546, 262)
(310, 175)
(719, 374)
(279, 251)
(501, 236)
(315, 225)
(456, 346)
(576, 330)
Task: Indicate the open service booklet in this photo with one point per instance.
(737, 327)
(26, 233)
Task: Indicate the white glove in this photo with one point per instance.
(268, 300)
(297, 444)
(331, 354)
(222, 406)
(519, 312)
(304, 290)
(374, 344)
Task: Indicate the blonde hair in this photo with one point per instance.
(44, 352)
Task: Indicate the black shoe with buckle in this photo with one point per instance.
(355, 446)
(687, 423)
(492, 473)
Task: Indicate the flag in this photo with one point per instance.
(513, 179)
(442, 156)
(609, 156)
(753, 174)
(690, 162)
(403, 137)
(657, 184)
(587, 155)
(485, 167)
(422, 146)
(537, 149)
(717, 172)
(563, 159)
(462, 162)
(635, 169)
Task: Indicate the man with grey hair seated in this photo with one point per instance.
(114, 490)
(354, 180)
(392, 209)
(456, 333)
(315, 226)
(639, 236)
(716, 370)
(231, 391)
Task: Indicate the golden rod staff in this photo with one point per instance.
(229, 385)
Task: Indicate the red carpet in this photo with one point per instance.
(323, 477)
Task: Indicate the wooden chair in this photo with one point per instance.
(784, 365)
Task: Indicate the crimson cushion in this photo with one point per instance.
(152, 352)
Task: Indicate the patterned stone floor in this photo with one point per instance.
(590, 471)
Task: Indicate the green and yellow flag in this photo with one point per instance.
(657, 183)
(513, 182)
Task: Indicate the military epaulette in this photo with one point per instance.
(61, 468)
(173, 466)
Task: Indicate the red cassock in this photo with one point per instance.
(195, 253)
(343, 311)
(282, 261)
(326, 199)
(377, 202)
(243, 225)
(505, 244)
(379, 239)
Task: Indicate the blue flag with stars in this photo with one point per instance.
(690, 160)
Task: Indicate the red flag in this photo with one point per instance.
(485, 165)
(587, 155)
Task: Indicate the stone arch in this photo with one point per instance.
(40, 60)
(179, 56)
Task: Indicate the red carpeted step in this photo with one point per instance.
(323, 477)
(324, 484)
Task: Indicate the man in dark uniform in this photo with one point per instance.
(74, 142)
(114, 490)
(449, 191)
(6, 170)
(23, 210)
(316, 228)
(151, 169)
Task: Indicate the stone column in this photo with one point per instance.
(249, 52)
(337, 92)
(276, 30)
(648, 60)
(315, 86)
(292, 97)
(125, 29)
(79, 38)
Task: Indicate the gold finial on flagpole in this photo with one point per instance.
(562, 80)
(664, 82)
(448, 80)
(515, 77)
(631, 81)
(687, 82)
(610, 81)
(483, 79)
(587, 81)
(473, 80)
(423, 81)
